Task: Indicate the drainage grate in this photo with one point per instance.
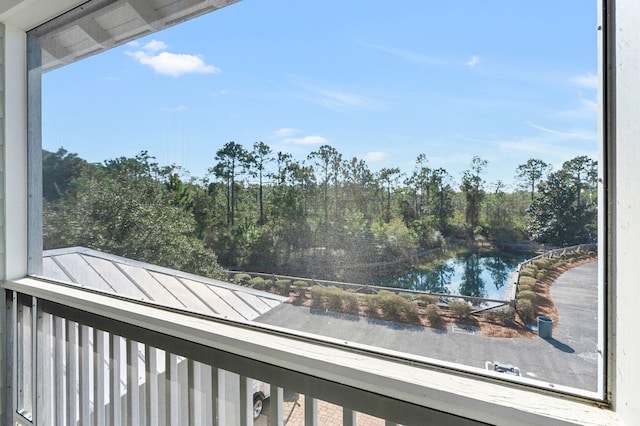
(463, 328)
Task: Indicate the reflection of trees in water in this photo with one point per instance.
(468, 269)
(472, 283)
(435, 279)
(498, 269)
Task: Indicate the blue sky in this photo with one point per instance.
(378, 80)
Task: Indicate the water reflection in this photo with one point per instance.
(472, 283)
(473, 274)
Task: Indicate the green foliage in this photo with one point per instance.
(542, 274)
(301, 215)
(242, 279)
(350, 303)
(316, 296)
(460, 308)
(432, 314)
(394, 307)
(522, 287)
(544, 263)
(529, 271)
(526, 310)
(283, 287)
(121, 208)
(371, 303)
(334, 299)
(527, 281)
(507, 315)
(565, 211)
(258, 283)
(472, 188)
(300, 288)
(59, 170)
(427, 299)
(527, 294)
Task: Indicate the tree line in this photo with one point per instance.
(260, 210)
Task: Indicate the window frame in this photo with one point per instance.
(535, 406)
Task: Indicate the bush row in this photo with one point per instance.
(536, 271)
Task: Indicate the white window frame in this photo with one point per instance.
(489, 401)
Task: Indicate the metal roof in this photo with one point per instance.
(128, 278)
(98, 25)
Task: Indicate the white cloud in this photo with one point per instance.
(406, 54)
(376, 156)
(582, 135)
(473, 61)
(179, 108)
(342, 100)
(154, 46)
(588, 81)
(285, 131)
(307, 140)
(171, 64)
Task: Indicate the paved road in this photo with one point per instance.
(569, 358)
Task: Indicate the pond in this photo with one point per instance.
(477, 274)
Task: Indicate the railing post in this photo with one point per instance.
(44, 370)
(59, 375)
(98, 378)
(115, 402)
(276, 416)
(152, 403)
(72, 375)
(218, 413)
(348, 417)
(85, 375)
(133, 387)
(310, 411)
(246, 401)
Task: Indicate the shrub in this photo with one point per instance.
(351, 303)
(542, 274)
(523, 287)
(283, 287)
(528, 281)
(371, 300)
(507, 315)
(525, 310)
(241, 279)
(300, 288)
(527, 294)
(257, 283)
(432, 314)
(460, 308)
(544, 263)
(316, 296)
(334, 297)
(426, 299)
(395, 307)
(529, 271)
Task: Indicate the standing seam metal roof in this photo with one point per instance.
(129, 278)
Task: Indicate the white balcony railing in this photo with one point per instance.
(86, 358)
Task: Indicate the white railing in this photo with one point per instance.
(514, 279)
(83, 358)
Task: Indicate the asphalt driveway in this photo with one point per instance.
(569, 358)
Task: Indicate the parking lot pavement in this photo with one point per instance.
(569, 358)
